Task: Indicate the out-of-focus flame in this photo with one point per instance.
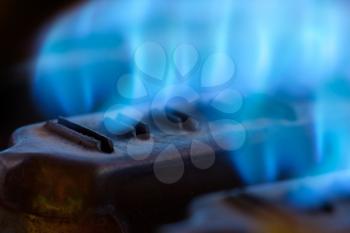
(292, 46)
(332, 131)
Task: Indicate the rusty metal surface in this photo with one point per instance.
(50, 175)
(58, 171)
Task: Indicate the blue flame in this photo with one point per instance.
(90, 46)
(276, 47)
(332, 130)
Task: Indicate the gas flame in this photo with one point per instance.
(297, 47)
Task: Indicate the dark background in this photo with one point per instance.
(20, 23)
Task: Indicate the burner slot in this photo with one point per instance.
(142, 131)
(81, 135)
(132, 127)
(183, 120)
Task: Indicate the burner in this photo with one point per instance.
(140, 176)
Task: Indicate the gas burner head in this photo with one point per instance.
(77, 168)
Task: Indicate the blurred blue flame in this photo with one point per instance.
(291, 46)
(85, 50)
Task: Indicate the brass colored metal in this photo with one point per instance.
(18, 222)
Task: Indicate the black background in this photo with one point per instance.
(20, 23)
